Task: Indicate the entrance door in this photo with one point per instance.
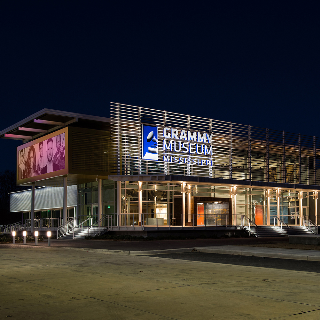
(214, 213)
(94, 211)
(305, 213)
(200, 214)
(258, 214)
(177, 218)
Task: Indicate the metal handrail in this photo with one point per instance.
(108, 217)
(249, 221)
(65, 228)
(80, 225)
(219, 219)
(70, 226)
(281, 222)
(17, 226)
(104, 216)
(312, 224)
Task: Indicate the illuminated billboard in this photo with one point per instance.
(43, 158)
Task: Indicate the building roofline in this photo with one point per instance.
(53, 112)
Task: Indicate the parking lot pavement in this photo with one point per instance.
(167, 283)
(295, 254)
(245, 247)
(157, 244)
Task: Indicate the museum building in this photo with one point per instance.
(146, 168)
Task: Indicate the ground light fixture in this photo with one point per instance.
(36, 235)
(24, 233)
(49, 236)
(13, 237)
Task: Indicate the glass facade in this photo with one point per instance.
(88, 203)
(204, 205)
(147, 167)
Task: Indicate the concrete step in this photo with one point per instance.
(271, 231)
(80, 233)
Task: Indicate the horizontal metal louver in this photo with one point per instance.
(45, 198)
(89, 151)
(239, 152)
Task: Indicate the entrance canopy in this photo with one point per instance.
(210, 181)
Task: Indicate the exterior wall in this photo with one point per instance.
(89, 152)
(238, 155)
(45, 198)
(239, 152)
(88, 200)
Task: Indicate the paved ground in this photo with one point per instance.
(157, 280)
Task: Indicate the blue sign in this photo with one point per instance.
(149, 142)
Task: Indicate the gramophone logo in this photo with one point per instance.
(149, 142)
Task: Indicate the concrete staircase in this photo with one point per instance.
(80, 233)
(271, 231)
(296, 230)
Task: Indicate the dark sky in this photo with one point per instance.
(250, 62)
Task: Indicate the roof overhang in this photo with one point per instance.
(212, 181)
(44, 122)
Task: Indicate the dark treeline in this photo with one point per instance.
(8, 184)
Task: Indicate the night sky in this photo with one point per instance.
(249, 62)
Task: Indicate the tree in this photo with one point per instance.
(8, 184)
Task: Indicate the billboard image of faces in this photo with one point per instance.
(43, 157)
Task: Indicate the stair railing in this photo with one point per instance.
(89, 220)
(80, 225)
(17, 226)
(103, 217)
(309, 225)
(70, 227)
(281, 222)
(65, 228)
(250, 222)
(106, 217)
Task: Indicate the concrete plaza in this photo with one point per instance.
(65, 282)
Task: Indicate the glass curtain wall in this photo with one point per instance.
(157, 202)
(88, 203)
(205, 205)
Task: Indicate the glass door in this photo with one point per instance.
(212, 213)
(200, 214)
(94, 211)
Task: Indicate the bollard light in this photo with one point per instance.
(36, 235)
(24, 233)
(13, 237)
(49, 236)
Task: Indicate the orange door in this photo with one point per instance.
(258, 213)
(200, 214)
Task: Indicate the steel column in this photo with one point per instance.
(65, 199)
(300, 207)
(32, 206)
(268, 206)
(140, 200)
(119, 202)
(278, 192)
(99, 202)
(189, 204)
(183, 191)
